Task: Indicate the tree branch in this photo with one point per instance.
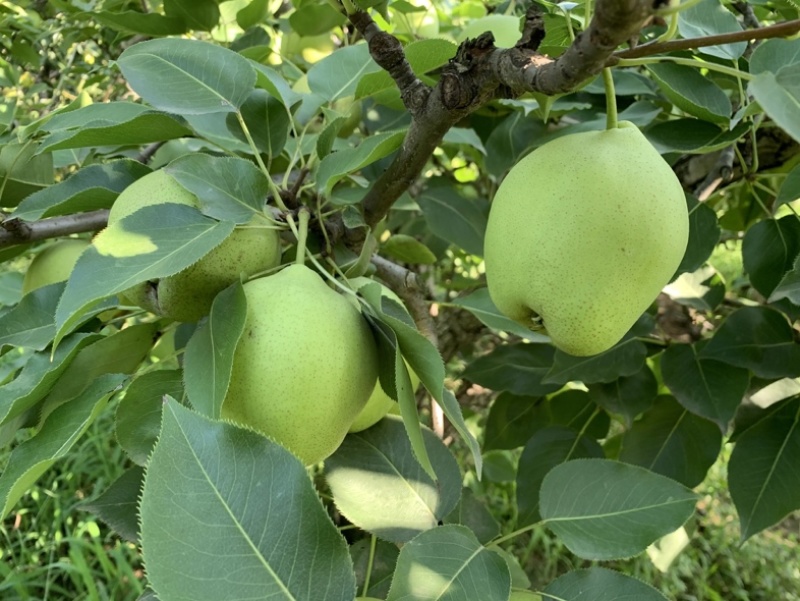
(15, 231)
(773, 31)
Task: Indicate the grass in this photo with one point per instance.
(50, 550)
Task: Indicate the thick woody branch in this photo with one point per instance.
(14, 231)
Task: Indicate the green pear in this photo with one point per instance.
(187, 295)
(505, 29)
(583, 234)
(53, 264)
(305, 365)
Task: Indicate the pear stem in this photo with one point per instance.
(301, 233)
(611, 99)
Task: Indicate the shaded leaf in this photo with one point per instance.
(150, 24)
(474, 514)
(380, 487)
(23, 172)
(518, 368)
(692, 92)
(32, 323)
(513, 420)
(277, 538)
(789, 286)
(600, 584)
(577, 410)
(710, 17)
(480, 304)
(198, 14)
(704, 233)
(117, 505)
(338, 165)
(627, 396)
(779, 96)
(384, 561)
(455, 218)
(629, 507)
(267, 120)
(769, 250)
(624, 359)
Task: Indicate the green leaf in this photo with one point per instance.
(513, 420)
(23, 172)
(277, 539)
(518, 368)
(384, 561)
(706, 387)
(779, 96)
(624, 359)
(692, 92)
(38, 376)
(510, 140)
(710, 17)
(149, 24)
(759, 339)
(197, 14)
(270, 80)
(117, 505)
(154, 242)
(188, 76)
(208, 362)
(769, 250)
(338, 74)
(315, 19)
(408, 249)
(629, 507)
(547, 448)
(704, 233)
(267, 120)
(789, 286)
(790, 188)
(227, 188)
(338, 165)
(692, 136)
(627, 396)
(62, 429)
(138, 417)
(111, 124)
(600, 584)
(93, 187)
(671, 441)
(455, 567)
(480, 304)
(380, 487)
(773, 55)
(455, 218)
(764, 474)
(252, 14)
(31, 324)
(577, 410)
(474, 514)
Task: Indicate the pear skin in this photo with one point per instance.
(583, 234)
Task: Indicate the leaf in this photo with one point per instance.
(23, 172)
(138, 417)
(315, 19)
(774, 55)
(62, 429)
(627, 396)
(759, 339)
(253, 13)
(624, 359)
(600, 584)
(379, 486)
(384, 561)
(779, 96)
(208, 362)
(769, 250)
(693, 136)
(789, 286)
(671, 441)
(227, 188)
(277, 539)
(692, 92)
(627, 509)
(710, 17)
(117, 505)
(38, 376)
(154, 242)
(408, 249)
(513, 420)
(111, 124)
(518, 368)
(338, 165)
(268, 122)
(575, 409)
(480, 304)
(510, 140)
(706, 387)
(474, 514)
(764, 474)
(187, 76)
(448, 563)
(198, 14)
(93, 187)
(455, 218)
(547, 448)
(704, 233)
(337, 75)
(31, 324)
(149, 24)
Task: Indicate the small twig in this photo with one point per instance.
(147, 154)
(15, 231)
(778, 30)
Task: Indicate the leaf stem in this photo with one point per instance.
(689, 62)
(611, 99)
(349, 7)
(276, 193)
(372, 543)
(514, 534)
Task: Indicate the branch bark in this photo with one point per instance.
(14, 231)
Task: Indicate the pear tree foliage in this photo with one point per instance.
(287, 312)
